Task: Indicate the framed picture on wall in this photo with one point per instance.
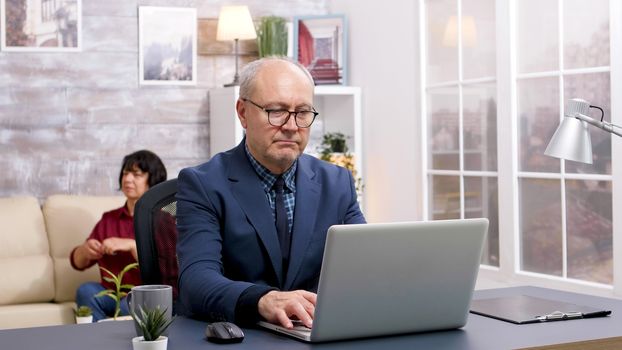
(167, 39)
(320, 45)
(44, 25)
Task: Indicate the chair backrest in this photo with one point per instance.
(156, 235)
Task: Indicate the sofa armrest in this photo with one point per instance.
(25, 263)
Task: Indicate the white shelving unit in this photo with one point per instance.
(339, 108)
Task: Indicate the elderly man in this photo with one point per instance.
(252, 221)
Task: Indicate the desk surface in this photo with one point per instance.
(480, 332)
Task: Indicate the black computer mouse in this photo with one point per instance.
(224, 332)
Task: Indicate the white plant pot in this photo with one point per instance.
(84, 319)
(138, 343)
(119, 318)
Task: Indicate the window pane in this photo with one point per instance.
(538, 118)
(594, 88)
(445, 197)
(443, 129)
(480, 127)
(537, 45)
(481, 201)
(590, 241)
(586, 33)
(442, 60)
(478, 38)
(540, 226)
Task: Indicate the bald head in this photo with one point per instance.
(249, 73)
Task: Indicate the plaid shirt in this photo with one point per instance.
(268, 179)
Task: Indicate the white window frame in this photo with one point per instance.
(508, 272)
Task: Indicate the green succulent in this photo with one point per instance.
(120, 290)
(152, 322)
(84, 311)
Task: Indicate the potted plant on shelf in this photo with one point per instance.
(272, 36)
(152, 323)
(120, 290)
(84, 314)
(334, 149)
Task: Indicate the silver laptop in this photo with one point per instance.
(382, 279)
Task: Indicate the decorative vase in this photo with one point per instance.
(84, 319)
(138, 343)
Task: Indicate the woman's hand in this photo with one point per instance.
(113, 245)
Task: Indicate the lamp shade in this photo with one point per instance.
(235, 22)
(571, 141)
(468, 31)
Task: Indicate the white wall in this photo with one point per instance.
(383, 59)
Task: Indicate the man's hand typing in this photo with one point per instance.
(279, 307)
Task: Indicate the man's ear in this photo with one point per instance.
(240, 107)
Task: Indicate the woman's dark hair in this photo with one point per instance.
(147, 162)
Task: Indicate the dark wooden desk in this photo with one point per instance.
(480, 333)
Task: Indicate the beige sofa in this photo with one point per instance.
(37, 282)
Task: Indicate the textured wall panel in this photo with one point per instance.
(94, 175)
(34, 142)
(17, 109)
(33, 176)
(67, 119)
(175, 141)
(108, 8)
(137, 106)
(115, 34)
(70, 69)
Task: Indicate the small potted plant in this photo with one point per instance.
(334, 149)
(84, 314)
(332, 142)
(120, 290)
(152, 323)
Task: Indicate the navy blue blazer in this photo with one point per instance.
(227, 234)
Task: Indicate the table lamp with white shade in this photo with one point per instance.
(468, 31)
(235, 23)
(572, 138)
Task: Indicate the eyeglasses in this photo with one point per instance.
(279, 117)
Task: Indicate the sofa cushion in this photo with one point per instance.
(25, 263)
(69, 220)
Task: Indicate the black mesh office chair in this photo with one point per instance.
(156, 235)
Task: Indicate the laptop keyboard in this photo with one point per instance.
(299, 326)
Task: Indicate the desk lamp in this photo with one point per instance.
(572, 139)
(235, 23)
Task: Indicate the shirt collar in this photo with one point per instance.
(123, 211)
(267, 178)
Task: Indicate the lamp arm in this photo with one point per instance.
(603, 125)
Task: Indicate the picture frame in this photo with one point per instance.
(41, 26)
(167, 40)
(320, 44)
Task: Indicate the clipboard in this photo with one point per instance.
(524, 309)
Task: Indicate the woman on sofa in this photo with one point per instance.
(111, 244)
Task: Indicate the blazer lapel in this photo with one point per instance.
(248, 191)
(307, 202)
